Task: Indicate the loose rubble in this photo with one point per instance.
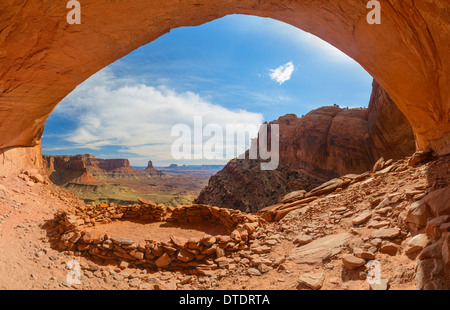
(332, 239)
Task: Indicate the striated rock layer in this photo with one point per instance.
(43, 58)
(326, 143)
(86, 169)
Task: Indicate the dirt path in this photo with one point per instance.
(27, 260)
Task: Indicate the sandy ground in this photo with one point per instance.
(160, 231)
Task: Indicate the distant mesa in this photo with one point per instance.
(175, 168)
(108, 165)
(87, 169)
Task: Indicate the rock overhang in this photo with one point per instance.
(44, 58)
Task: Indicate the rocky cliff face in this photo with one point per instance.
(389, 134)
(106, 165)
(242, 185)
(68, 169)
(86, 169)
(326, 143)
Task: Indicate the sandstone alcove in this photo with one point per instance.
(247, 45)
(44, 58)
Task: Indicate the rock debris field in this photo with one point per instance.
(397, 215)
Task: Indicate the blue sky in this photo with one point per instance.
(238, 69)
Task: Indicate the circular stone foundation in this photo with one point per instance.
(156, 236)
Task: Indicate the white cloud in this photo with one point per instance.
(283, 73)
(138, 118)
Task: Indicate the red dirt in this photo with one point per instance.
(29, 259)
(160, 231)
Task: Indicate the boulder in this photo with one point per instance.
(433, 250)
(93, 236)
(382, 285)
(222, 262)
(389, 248)
(446, 250)
(385, 233)
(185, 256)
(302, 239)
(416, 243)
(163, 261)
(254, 272)
(433, 226)
(358, 252)
(35, 175)
(137, 254)
(320, 249)
(439, 201)
(419, 157)
(261, 249)
(378, 165)
(428, 274)
(312, 280)
(326, 187)
(208, 240)
(75, 237)
(178, 242)
(361, 218)
(417, 215)
(352, 262)
(280, 214)
(293, 196)
(384, 203)
(122, 241)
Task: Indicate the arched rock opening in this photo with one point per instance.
(43, 58)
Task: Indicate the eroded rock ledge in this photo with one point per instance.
(415, 222)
